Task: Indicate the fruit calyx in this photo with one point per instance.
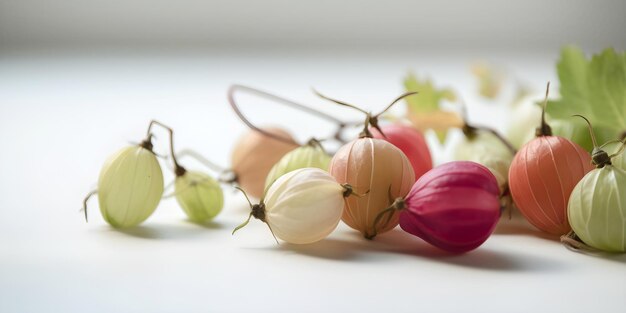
(258, 211)
(370, 119)
(599, 157)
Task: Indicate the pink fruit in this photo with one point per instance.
(454, 206)
(411, 142)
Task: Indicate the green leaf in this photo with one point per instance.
(607, 84)
(425, 111)
(594, 88)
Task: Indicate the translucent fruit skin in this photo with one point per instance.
(541, 178)
(199, 195)
(521, 127)
(253, 158)
(379, 170)
(130, 187)
(304, 206)
(489, 151)
(301, 157)
(454, 206)
(597, 209)
(411, 142)
(619, 160)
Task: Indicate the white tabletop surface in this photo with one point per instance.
(61, 115)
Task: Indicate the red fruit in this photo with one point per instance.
(411, 142)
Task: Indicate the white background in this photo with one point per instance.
(68, 102)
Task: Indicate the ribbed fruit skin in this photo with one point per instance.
(411, 142)
(541, 178)
(486, 149)
(597, 209)
(130, 187)
(199, 195)
(304, 206)
(379, 170)
(454, 206)
(301, 157)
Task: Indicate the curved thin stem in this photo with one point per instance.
(508, 201)
(245, 195)
(620, 150)
(253, 213)
(370, 120)
(179, 170)
(610, 142)
(379, 217)
(366, 127)
(201, 159)
(242, 117)
(243, 224)
(470, 130)
(263, 94)
(89, 195)
(545, 104)
(169, 195)
(544, 129)
(285, 101)
(338, 135)
(390, 210)
(373, 120)
(397, 205)
(389, 216)
(504, 141)
(272, 231)
(404, 95)
(338, 102)
(599, 157)
(348, 190)
(573, 243)
(591, 132)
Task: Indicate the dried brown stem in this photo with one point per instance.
(263, 94)
(470, 130)
(544, 129)
(242, 117)
(370, 120)
(87, 197)
(573, 243)
(179, 170)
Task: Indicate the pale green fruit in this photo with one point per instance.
(619, 160)
(130, 187)
(310, 155)
(525, 118)
(486, 149)
(199, 195)
(597, 209)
